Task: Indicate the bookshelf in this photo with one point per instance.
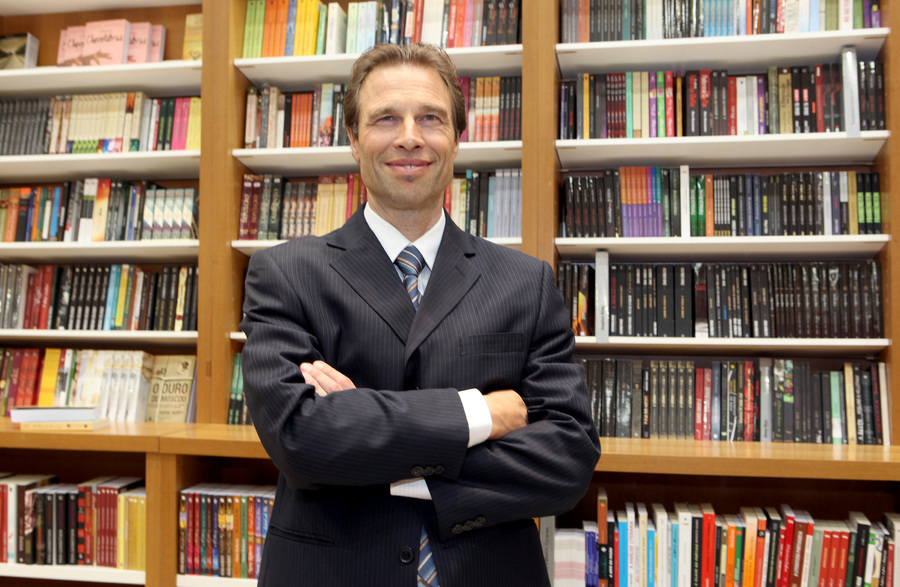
(172, 457)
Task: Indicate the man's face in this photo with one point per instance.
(405, 144)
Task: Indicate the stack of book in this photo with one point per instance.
(673, 19)
(750, 400)
(692, 544)
(100, 522)
(98, 123)
(53, 388)
(222, 529)
(309, 27)
(831, 97)
(111, 42)
(98, 297)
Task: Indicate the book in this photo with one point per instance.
(106, 42)
(18, 51)
(192, 49)
(170, 388)
(33, 414)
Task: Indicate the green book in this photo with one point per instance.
(629, 106)
(320, 38)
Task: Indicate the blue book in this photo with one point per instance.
(54, 216)
(591, 555)
(291, 29)
(622, 521)
(674, 556)
(112, 296)
(651, 554)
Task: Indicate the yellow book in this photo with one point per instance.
(300, 28)
(193, 37)
(193, 132)
(179, 305)
(312, 26)
(479, 111)
(87, 426)
(47, 389)
(850, 398)
(339, 203)
(121, 529)
(101, 210)
(852, 203)
(324, 198)
(119, 315)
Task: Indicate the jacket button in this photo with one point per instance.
(429, 471)
(469, 525)
(438, 470)
(479, 521)
(406, 555)
(457, 529)
(417, 471)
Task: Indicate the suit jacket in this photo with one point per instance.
(491, 318)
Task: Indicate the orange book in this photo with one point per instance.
(679, 106)
(101, 210)
(495, 108)
(479, 110)
(602, 529)
(710, 207)
(280, 33)
(304, 122)
(419, 8)
(730, 552)
(12, 215)
(268, 47)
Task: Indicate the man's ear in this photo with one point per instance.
(354, 144)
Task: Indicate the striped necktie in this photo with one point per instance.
(411, 262)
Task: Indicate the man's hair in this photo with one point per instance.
(419, 54)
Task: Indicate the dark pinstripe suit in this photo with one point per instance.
(491, 318)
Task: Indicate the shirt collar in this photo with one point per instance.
(393, 241)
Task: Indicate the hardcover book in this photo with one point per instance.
(18, 51)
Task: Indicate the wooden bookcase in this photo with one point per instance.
(823, 479)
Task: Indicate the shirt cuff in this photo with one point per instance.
(414, 488)
(477, 414)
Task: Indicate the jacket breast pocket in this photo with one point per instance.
(493, 343)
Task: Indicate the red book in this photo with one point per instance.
(452, 19)
(708, 556)
(699, 407)
(707, 403)
(46, 287)
(787, 542)
(749, 402)
(732, 106)
(705, 95)
(419, 8)
(251, 537)
(819, 104)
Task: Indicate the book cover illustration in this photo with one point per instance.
(106, 42)
(193, 37)
(18, 51)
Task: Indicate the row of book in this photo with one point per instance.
(99, 522)
(98, 297)
(100, 386)
(222, 529)
(96, 210)
(111, 42)
(316, 118)
(237, 407)
(651, 201)
(98, 123)
(487, 204)
(729, 300)
(692, 544)
(784, 100)
(309, 27)
(586, 21)
(749, 400)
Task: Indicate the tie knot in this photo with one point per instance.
(410, 261)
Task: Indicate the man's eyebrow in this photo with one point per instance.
(428, 107)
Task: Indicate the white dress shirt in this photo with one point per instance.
(474, 405)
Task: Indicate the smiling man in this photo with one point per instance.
(413, 384)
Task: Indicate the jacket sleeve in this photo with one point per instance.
(543, 468)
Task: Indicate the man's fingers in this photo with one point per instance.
(325, 378)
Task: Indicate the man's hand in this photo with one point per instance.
(325, 378)
(508, 412)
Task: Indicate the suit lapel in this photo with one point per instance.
(366, 268)
(452, 277)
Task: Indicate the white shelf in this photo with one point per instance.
(151, 252)
(74, 573)
(249, 247)
(167, 78)
(18, 7)
(777, 150)
(292, 74)
(143, 164)
(202, 581)
(718, 248)
(101, 338)
(811, 347)
(738, 54)
(297, 162)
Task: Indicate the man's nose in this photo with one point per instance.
(410, 135)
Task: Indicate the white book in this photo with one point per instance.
(829, 203)
(765, 399)
(683, 513)
(884, 389)
(352, 28)
(803, 14)
(850, 71)
(371, 23)
(752, 105)
(663, 544)
(845, 15)
(147, 109)
(741, 87)
(792, 16)
(601, 296)
(336, 30)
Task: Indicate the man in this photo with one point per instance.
(439, 407)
